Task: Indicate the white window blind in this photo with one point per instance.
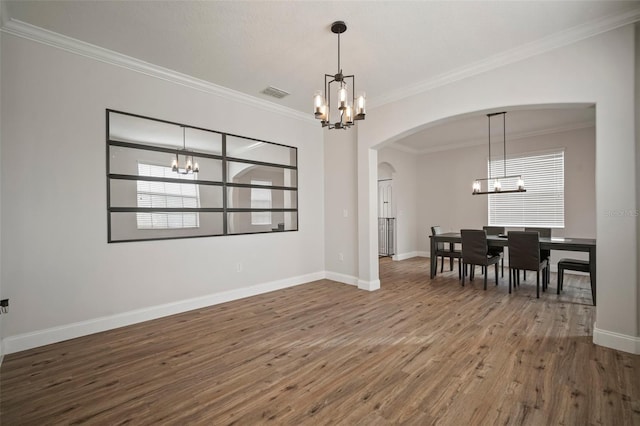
(543, 203)
(166, 194)
(260, 199)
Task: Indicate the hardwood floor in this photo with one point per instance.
(418, 351)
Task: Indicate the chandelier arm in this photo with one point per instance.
(353, 92)
(489, 146)
(504, 142)
(329, 101)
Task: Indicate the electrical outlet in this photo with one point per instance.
(239, 267)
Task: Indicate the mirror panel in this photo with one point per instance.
(264, 152)
(134, 226)
(128, 128)
(140, 193)
(254, 222)
(253, 174)
(141, 162)
(261, 198)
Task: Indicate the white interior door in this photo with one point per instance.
(385, 198)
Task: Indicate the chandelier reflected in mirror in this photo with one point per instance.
(343, 87)
(190, 166)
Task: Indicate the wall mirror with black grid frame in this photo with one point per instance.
(240, 186)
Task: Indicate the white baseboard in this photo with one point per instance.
(621, 342)
(38, 338)
(369, 285)
(341, 278)
(404, 256)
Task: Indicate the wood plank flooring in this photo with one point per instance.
(416, 352)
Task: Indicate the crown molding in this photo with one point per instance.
(31, 32)
(512, 137)
(546, 44)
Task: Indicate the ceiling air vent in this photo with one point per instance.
(275, 92)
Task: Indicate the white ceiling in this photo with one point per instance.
(393, 47)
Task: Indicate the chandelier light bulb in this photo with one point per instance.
(360, 108)
(190, 167)
(497, 185)
(318, 103)
(342, 97)
(349, 114)
(476, 186)
(520, 184)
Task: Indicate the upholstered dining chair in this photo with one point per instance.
(544, 254)
(499, 251)
(524, 254)
(476, 252)
(442, 252)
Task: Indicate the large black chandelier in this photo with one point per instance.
(348, 112)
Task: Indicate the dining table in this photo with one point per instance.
(554, 243)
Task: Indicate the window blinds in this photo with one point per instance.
(543, 203)
(166, 195)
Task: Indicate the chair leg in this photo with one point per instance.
(510, 275)
(485, 278)
(464, 272)
(524, 275)
(441, 264)
(497, 273)
(502, 263)
(472, 271)
(548, 272)
(560, 278)
(538, 285)
(593, 292)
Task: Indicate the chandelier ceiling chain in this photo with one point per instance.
(190, 166)
(322, 101)
(497, 183)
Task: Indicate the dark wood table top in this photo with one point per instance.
(553, 243)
